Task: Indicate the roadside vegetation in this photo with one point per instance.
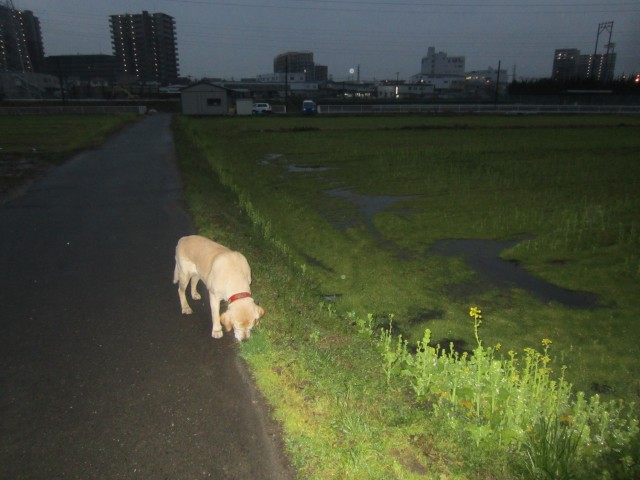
(30, 144)
(383, 360)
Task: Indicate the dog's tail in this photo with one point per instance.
(176, 273)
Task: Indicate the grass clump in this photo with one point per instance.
(516, 406)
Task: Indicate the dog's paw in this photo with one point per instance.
(187, 311)
(196, 296)
(216, 333)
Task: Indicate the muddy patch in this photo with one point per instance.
(484, 257)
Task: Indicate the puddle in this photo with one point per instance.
(306, 169)
(368, 206)
(483, 257)
(269, 158)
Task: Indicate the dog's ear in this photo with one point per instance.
(226, 321)
(260, 313)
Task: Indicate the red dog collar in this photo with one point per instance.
(238, 296)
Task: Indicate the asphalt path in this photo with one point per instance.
(101, 377)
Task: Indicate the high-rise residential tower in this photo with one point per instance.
(21, 48)
(145, 45)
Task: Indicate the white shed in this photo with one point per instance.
(207, 99)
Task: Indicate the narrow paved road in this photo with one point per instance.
(101, 377)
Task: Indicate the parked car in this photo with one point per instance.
(309, 107)
(261, 109)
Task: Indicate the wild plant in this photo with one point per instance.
(550, 450)
(514, 404)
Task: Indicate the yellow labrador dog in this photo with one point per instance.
(226, 275)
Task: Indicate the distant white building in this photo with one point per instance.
(441, 65)
(291, 77)
(31, 85)
(439, 83)
(404, 90)
(488, 76)
(205, 98)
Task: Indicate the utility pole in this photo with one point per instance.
(286, 83)
(602, 27)
(495, 102)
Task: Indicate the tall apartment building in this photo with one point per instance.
(300, 62)
(295, 62)
(569, 64)
(565, 64)
(145, 45)
(441, 65)
(21, 48)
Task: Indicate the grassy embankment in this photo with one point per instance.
(569, 185)
(29, 144)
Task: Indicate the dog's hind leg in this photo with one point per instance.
(194, 288)
(183, 282)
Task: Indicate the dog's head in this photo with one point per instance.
(242, 316)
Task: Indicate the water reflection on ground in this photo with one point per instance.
(484, 257)
(481, 255)
(368, 206)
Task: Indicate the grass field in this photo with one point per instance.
(355, 204)
(31, 144)
(568, 184)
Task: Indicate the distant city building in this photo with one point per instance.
(441, 65)
(488, 76)
(145, 46)
(405, 91)
(569, 64)
(295, 62)
(321, 73)
(291, 77)
(565, 64)
(440, 83)
(599, 67)
(84, 67)
(300, 62)
(31, 85)
(21, 48)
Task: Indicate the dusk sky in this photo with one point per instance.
(240, 38)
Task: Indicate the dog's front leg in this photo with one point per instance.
(215, 315)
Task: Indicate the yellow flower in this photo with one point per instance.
(498, 346)
(475, 312)
(546, 342)
(467, 404)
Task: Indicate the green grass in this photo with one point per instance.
(340, 419)
(56, 136)
(31, 144)
(570, 183)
